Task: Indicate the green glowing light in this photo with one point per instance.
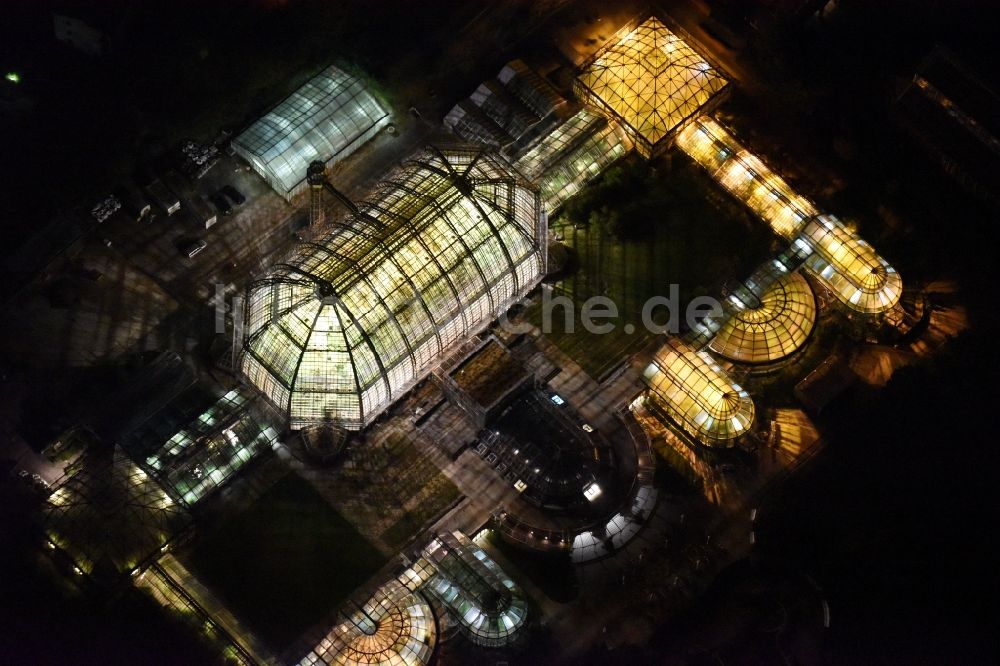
(13, 77)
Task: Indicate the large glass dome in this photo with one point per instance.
(443, 246)
(773, 327)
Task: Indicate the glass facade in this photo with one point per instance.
(771, 327)
(489, 607)
(690, 388)
(395, 628)
(848, 266)
(211, 449)
(745, 176)
(572, 154)
(350, 322)
(651, 80)
(327, 119)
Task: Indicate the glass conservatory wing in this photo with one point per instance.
(697, 394)
(770, 329)
(745, 176)
(574, 153)
(856, 274)
(489, 607)
(327, 119)
(444, 244)
(650, 79)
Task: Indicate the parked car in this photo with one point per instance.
(221, 204)
(233, 195)
(192, 248)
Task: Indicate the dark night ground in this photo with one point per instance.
(891, 520)
(285, 562)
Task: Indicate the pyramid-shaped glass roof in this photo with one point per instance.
(650, 79)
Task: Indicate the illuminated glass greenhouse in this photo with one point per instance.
(850, 267)
(489, 607)
(771, 327)
(202, 456)
(572, 154)
(693, 391)
(745, 176)
(395, 628)
(861, 279)
(351, 321)
(328, 118)
(651, 80)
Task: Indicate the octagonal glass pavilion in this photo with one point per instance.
(651, 80)
(351, 321)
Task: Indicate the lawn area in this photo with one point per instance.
(436, 496)
(285, 562)
(635, 231)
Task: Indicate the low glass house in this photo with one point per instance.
(489, 607)
(745, 176)
(572, 154)
(328, 118)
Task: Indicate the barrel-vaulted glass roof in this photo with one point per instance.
(350, 322)
(651, 80)
(745, 176)
(489, 607)
(772, 327)
(691, 389)
(572, 154)
(845, 263)
(850, 267)
(326, 119)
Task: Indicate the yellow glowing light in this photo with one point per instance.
(696, 393)
(651, 80)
